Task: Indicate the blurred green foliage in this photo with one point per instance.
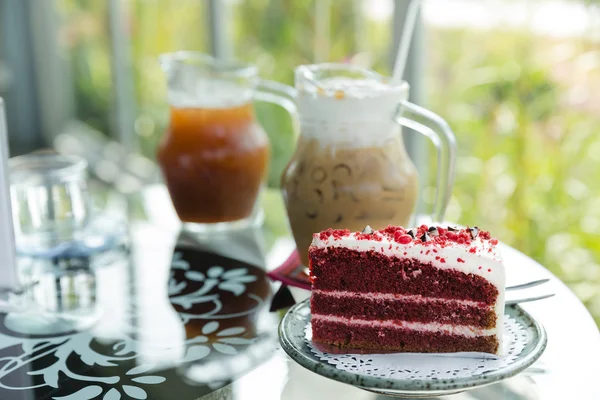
(525, 114)
(524, 108)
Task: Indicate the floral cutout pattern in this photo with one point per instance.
(232, 280)
(226, 339)
(73, 360)
(121, 391)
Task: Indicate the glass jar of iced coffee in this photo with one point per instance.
(350, 168)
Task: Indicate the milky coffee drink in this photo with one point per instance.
(350, 168)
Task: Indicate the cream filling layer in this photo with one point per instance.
(467, 331)
(398, 297)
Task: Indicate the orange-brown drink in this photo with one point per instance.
(215, 155)
(214, 161)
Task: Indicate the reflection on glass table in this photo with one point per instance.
(200, 325)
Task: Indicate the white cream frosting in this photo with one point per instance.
(463, 330)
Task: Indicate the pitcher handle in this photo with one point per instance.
(437, 130)
(281, 95)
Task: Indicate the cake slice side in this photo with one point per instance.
(393, 289)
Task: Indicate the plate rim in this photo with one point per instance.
(411, 385)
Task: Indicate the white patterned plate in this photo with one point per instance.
(416, 375)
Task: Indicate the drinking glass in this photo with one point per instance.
(46, 196)
(50, 200)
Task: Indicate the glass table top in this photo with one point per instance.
(190, 317)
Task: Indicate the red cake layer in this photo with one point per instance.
(342, 269)
(403, 310)
(391, 339)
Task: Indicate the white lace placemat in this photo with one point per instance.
(429, 366)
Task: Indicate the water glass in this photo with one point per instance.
(50, 199)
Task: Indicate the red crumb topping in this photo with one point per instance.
(402, 238)
(480, 267)
(368, 236)
(489, 270)
(437, 257)
(336, 233)
(485, 235)
(442, 260)
(438, 237)
(391, 229)
(460, 260)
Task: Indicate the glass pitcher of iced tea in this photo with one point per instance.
(350, 168)
(215, 155)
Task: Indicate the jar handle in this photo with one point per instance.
(437, 130)
(281, 95)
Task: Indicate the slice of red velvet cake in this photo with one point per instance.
(428, 289)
